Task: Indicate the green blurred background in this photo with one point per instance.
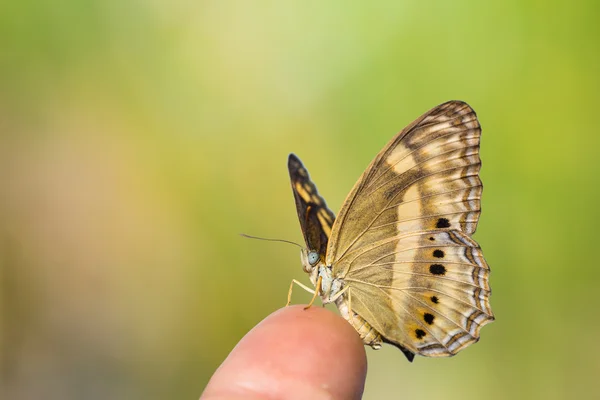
(139, 138)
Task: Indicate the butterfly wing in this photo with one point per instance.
(402, 238)
(315, 218)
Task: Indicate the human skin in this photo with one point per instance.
(293, 354)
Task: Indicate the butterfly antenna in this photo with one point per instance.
(270, 240)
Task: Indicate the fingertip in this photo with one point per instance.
(294, 353)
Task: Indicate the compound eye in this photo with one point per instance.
(313, 257)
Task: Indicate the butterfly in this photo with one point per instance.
(399, 261)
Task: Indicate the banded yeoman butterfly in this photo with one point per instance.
(399, 261)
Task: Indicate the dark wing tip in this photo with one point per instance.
(294, 163)
(409, 354)
(292, 158)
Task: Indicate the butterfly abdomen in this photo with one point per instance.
(367, 333)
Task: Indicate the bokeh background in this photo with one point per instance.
(138, 138)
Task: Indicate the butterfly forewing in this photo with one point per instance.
(402, 239)
(315, 218)
(425, 178)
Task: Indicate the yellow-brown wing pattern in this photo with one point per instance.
(402, 238)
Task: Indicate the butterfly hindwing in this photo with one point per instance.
(315, 218)
(402, 238)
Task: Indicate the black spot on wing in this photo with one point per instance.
(437, 269)
(428, 318)
(443, 223)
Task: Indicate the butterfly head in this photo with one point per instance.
(310, 260)
(313, 258)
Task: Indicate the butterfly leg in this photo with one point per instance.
(316, 292)
(338, 294)
(289, 299)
